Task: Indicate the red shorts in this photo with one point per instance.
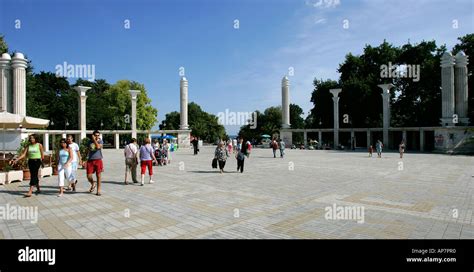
(144, 165)
(94, 166)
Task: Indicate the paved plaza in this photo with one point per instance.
(426, 196)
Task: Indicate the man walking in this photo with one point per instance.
(94, 161)
(131, 160)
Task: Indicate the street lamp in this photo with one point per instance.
(66, 124)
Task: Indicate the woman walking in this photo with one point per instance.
(401, 149)
(35, 154)
(241, 153)
(77, 160)
(379, 147)
(64, 159)
(147, 157)
(221, 155)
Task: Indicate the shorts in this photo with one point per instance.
(144, 165)
(94, 166)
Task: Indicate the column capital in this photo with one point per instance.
(386, 88)
(5, 60)
(447, 60)
(134, 94)
(81, 90)
(19, 61)
(461, 59)
(285, 81)
(335, 94)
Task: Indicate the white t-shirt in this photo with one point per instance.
(74, 147)
(131, 151)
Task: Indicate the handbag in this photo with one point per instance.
(214, 163)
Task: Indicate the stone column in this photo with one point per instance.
(19, 64)
(404, 136)
(447, 91)
(117, 141)
(46, 141)
(183, 93)
(134, 94)
(461, 88)
(335, 94)
(422, 140)
(81, 90)
(5, 79)
(386, 111)
(353, 139)
(285, 103)
(320, 140)
(305, 139)
(369, 139)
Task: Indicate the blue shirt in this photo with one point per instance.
(63, 156)
(94, 153)
(145, 153)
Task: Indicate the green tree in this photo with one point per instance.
(3, 45)
(202, 124)
(296, 119)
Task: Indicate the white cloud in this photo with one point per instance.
(323, 4)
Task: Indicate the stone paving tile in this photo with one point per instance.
(271, 200)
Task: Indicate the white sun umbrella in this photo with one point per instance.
(11, 120)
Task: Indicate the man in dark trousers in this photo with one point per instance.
(195, 142)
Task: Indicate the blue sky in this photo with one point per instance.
(227, 68)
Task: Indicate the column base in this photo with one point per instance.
(447, 122)
(287, 137)
(184, 139)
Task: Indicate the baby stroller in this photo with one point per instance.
(158, 156)
(164, 156)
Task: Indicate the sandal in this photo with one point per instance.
(98, 194)
(92, 187)
(27, 195)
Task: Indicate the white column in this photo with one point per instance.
(353, 140)
(386, 110)
(46, 141)
(447, 91)
(81, 90)
(5, 79)
(285, 103)
(422, 140)
(320, 138)
(183, 96)
(117, 141)
(335, 94)
(63, 135)
(134, 94)
(305, 137)
(369, 139)
(19, 64)
(404, 136)
(461, 87)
